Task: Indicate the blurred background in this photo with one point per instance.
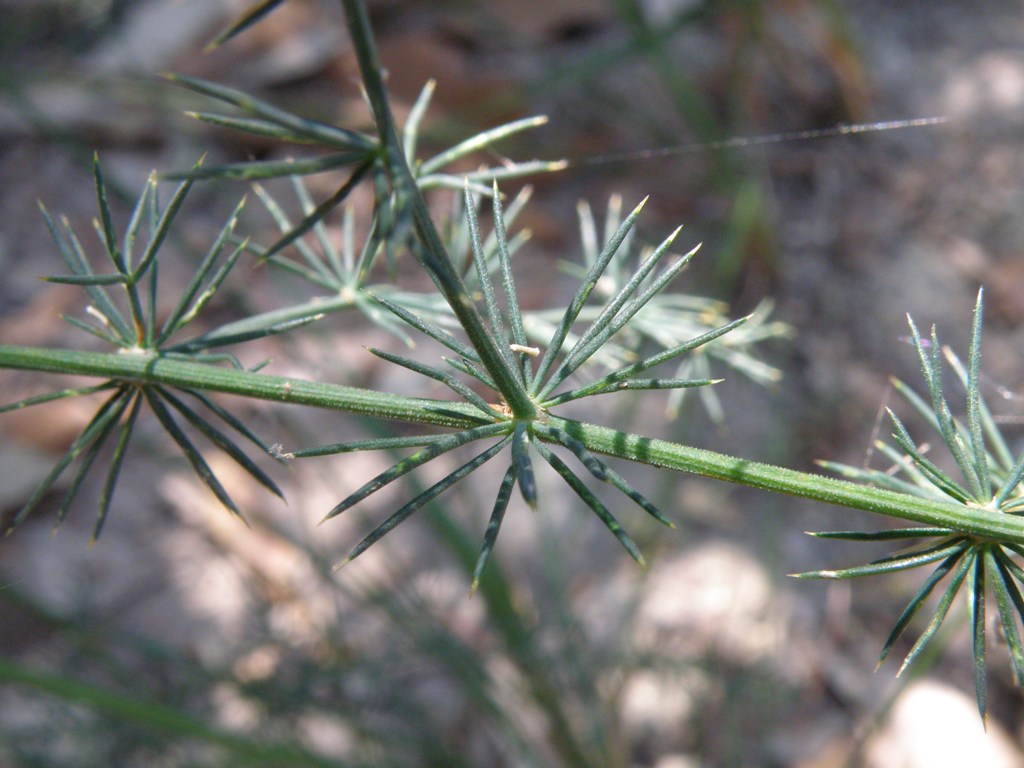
(184, 638)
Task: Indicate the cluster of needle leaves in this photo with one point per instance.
(542, 375)
(667, 321)
(527, 363)
(123, 312)
(366, 154)
(989, 477)
(344, 275)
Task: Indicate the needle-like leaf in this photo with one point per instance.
(322, 133)
(107, 279)
(437, 375)
(103, 418)
(319, 231)
(185, 310)
(630, 384)
(376, 444)
(1013, 479)
(935, 475)
(472, 370)
(494, 524)
(976, 609)
(961, 571)
(433, 331)
(931, 367)
(222, 441)
(897, 562)
(74, 256)
(523, 466)
(109, 237)
(918, 600)
(219, 338)
(515, 170)
(619, 312)
(163, 226)
(90, 454)
(258, 127)
(917, 485)
(494, 314)
(428, 495)
(134, 226)
(583, 292)
(211, 289)
(107, 494)
(272, 169)
(1010, 603)
(918, 481)
(411, 129)
(974, 409)
(887, 535)
(228, 418)
(591, 501)
(478, 142)
(316, 216)
(202, 469)
(601, 471)
(606, 383)
(515, 315)
(255, 13)
(103, 332)
(1003, 457)
(436, 448)
(60, 395)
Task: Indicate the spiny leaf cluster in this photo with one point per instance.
(502, 318)
(123, 312)
(989, 477)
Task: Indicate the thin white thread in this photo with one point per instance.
(757, 141)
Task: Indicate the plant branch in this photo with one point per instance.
(156, 370)
(173, 372)
(970, 520)
(433, 254)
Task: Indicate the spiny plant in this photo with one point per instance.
(134, 328)
(990, 480)
(530, 364)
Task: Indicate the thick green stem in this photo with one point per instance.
(174, 372)
(661, 453)
(151, 369)
(434, 256)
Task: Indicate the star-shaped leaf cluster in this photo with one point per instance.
(123, 312)
(668, 320)
(543, 374)
(988, 476)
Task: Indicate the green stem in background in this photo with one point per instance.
(159, 717)
(152, 369)
(433, 254)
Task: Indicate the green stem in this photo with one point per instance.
(174, 372)
(152, 369)
(434, 256)
(159, 717)
(973, 521)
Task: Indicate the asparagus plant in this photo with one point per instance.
(530, 362)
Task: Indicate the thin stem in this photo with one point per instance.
(970, 520)
(433, 254)
(152, 369)
(147, 368)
